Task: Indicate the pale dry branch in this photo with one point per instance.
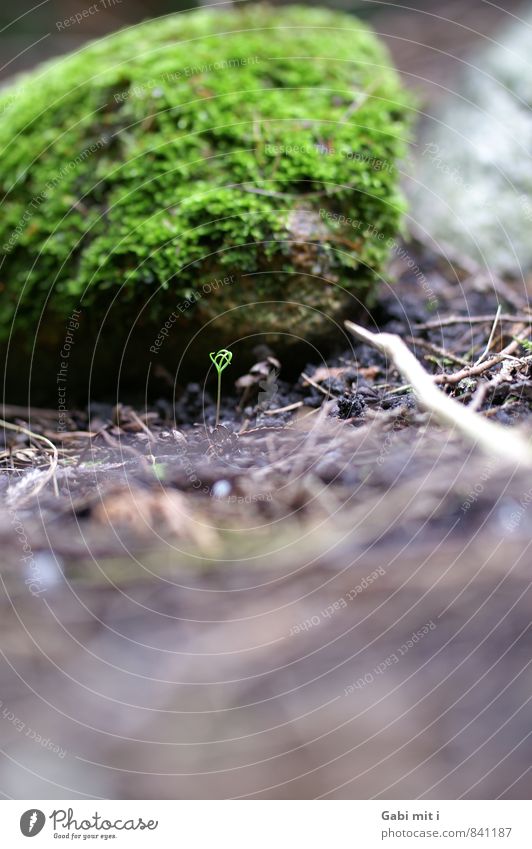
(496, 440)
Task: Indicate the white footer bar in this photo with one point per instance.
(267, 824)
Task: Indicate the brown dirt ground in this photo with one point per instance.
(227, 612)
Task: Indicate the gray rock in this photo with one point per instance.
(473, 186)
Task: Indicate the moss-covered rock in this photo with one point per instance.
(256, 146)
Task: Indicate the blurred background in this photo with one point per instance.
(425, 37)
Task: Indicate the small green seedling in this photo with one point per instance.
(221, 360)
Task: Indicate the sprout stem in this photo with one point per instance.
(220, 361)
(219, 397)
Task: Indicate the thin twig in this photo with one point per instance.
(505, 375)
(65, 435)
(491, 437)
(317, 386)
(142, 425)
(486, 350)
(471, 319)
(286, 409)
(480, 368)
(437, 351)
(50, 474)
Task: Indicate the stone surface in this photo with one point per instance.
(474, 163)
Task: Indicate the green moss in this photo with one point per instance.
(202, 145)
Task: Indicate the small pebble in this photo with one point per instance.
(221, 489)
